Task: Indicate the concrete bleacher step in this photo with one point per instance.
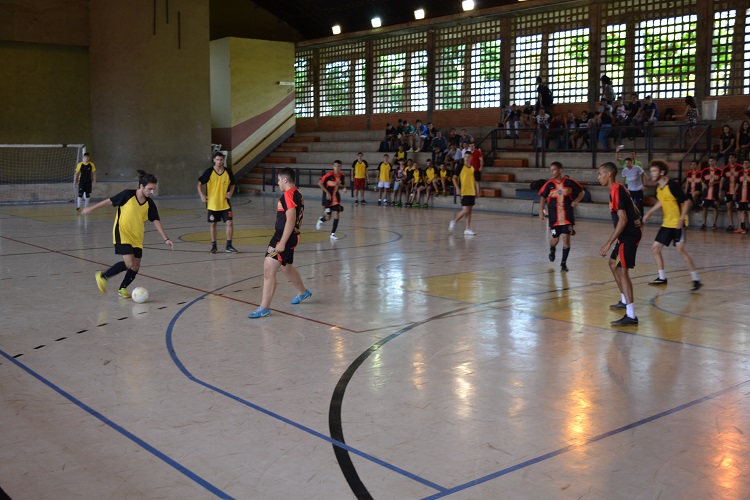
(498, 177)
(303, 138)
(291, 149)
(511, 162)
(491, 193)
(280, 159)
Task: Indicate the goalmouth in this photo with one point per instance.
(38, 173)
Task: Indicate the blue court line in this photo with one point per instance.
(184, 370)
(140, 442)
(592, 440)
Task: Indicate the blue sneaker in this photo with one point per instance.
(300, 298)
(259, 313)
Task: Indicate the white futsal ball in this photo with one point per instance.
(139, 295)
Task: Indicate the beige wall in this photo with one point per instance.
(150, 91)
(60, 22)
(245, 19)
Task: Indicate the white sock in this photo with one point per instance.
(630, 310)
(78, 202)
(623, 299)
(694, 275)
(86, 201)
(662, 274)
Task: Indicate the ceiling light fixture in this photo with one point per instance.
(376, 23)
(419, 14)
(468, 4)
(336, 29)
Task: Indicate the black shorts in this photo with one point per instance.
(636, 195)
(468, 201)
(556, 231)
(84, 188)
(708, 203)
(728, 198)
(287, 256)
(223, 215)
(124, 249)
(624, 252)
(477, 175)
(670, 235)
(743, 206)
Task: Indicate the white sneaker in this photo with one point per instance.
(318, 224)
(469, 232)
(334, 237)
(451, 225)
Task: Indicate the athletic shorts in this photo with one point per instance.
(468, 201)
(333, 202)
(384, 185)
(728, 198)
(477, 175)
(287, 256)
(670, 235)
(743, 206)
(556, 231)
(396, 185)
(708, 204)
(124, 249)
(359, 183)
(624, 252)
(636, 195)
(216, 216)
(84, 189)
(334, 208)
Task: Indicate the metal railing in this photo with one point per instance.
(305, 177)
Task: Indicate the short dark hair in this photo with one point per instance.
(288, 174)
(144, 178)
(610, 167)
(556, 164)
(218, 153)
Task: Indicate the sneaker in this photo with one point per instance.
(696, 285)
(78, 210)
(425, 205)
(739, 230)
(380, 202)
(319, 224)
(451, 225)
(259, 313)
(703, 227)
(334, 237)
(563, 267)
(625, 321)
(364, 202)
(397, 204)
(101, 282)
(713, 228)
(619, 305)
(658, 281)
(552, 254)
(213, 250)
(300, 298)
(123, 293)
(730, 228)
(469, 232)
(230, 249)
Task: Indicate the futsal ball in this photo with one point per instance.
(139, 295)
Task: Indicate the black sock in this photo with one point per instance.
(335, 225)
(229, 243)
(566, 251)
(742, 225)
(213, 244)
(128, 279)
(115, 270)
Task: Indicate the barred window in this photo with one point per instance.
(304, 100)
(613, 55)
(388, 86)
(449, 76)
(418, 81)
(746, 69)
(721, 52)
(525, 67)
(569, 65)
(485, 74)
(342, 80)
(665, 57)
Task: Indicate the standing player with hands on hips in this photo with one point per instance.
(84, 179)
(220, 185)
(280, 253)
(134, 208)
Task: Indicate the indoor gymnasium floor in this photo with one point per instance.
(426, 364)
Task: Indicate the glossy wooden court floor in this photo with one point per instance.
(426, 364)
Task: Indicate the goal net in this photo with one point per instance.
(35, 173)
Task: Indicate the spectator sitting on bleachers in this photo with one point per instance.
(621, 112)
(513, 123)
(633, 108)
(649, 113)
(439, 142)
(465, 139)
(450, 156)
(408, 136)
(453, 138)
(556, 131)
(420, 135)
(582, 131)
(431, 134)
(727, 141)
(389, 141)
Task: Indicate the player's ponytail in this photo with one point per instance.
(145, 178)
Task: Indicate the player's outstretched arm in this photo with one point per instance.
(88, 210)
(160, 228)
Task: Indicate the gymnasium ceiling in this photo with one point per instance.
(314, 18)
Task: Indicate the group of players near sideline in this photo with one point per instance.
(560, 195)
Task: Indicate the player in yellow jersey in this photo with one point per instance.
(384, 180)
(134, 208)
(359, 178)
(463, 181)
(84, 178)
(219, 182)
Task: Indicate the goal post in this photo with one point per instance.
(38, 173)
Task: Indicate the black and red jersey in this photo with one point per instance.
(333, 183)
(731, 172)
(693, 178)
(619, 199)
(291, 198)
(560, 195)
(743, 187)
(712, 175)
